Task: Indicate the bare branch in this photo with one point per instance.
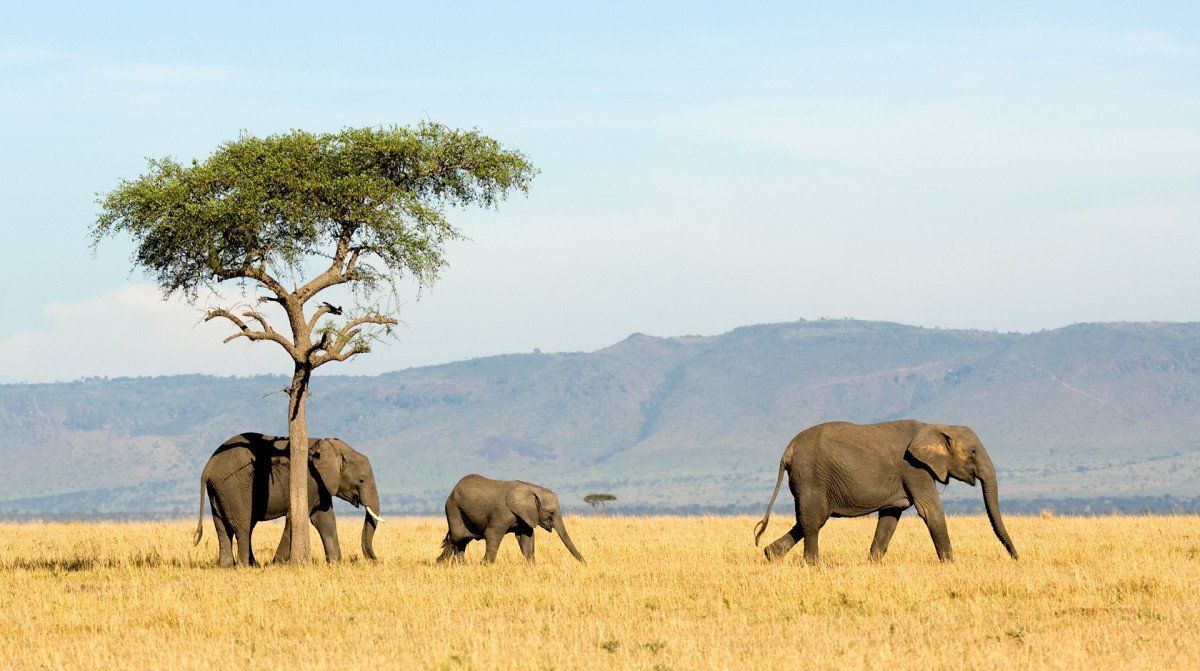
(260, 275)
(368, 319)
(351, 270)
(245, 331)
(258, 317)
(325, 309)
(342, 356)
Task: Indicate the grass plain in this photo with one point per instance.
(657, 593)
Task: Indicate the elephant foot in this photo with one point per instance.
(773, 554)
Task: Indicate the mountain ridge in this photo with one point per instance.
(677, 422)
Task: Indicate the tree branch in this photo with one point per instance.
(258, 317)
(349, 334)
(342, 356)
(325, 309)
(338, 271)
(259, 275)
(245, 331)
(322, 344)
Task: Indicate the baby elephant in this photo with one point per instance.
(482, 508)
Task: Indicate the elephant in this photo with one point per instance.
(482, 508)
(840, 469)
(247, 482)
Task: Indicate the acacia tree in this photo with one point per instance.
(598, 500)
(289, 216)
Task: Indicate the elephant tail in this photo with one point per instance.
(762, 524)
(200, 521)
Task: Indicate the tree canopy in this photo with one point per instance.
(260, 207)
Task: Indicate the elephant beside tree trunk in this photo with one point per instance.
(247, 481)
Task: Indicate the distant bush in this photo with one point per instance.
(597, 501)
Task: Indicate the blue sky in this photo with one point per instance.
(986, 165)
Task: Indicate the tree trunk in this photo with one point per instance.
(298, 466)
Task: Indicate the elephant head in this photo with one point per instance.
(538, 507)
(346, 473)
(955, 451)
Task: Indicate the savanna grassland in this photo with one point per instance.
(657, 593)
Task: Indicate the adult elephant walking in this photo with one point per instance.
(247, 482)
(841, 469)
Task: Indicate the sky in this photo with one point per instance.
(1011, 166)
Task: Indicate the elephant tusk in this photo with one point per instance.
(375, 517)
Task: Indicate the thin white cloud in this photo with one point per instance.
(1151, 43)
(24, 55)
(131, 331)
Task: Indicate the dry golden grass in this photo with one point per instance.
(658, 593)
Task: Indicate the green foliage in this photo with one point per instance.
(262, 206)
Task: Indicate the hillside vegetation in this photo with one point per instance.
(657, 593)
(686, 423)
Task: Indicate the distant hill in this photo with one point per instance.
(687, 423)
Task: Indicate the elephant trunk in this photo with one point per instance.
(370, 501)
(566, 539)
(986, 472)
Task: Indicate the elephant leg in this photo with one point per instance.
(224, 542)
(460, 548)
(884, 528)
(326, 525)
(812, 553)
(243, 546)
(448, 550)
(929, 507)
(456, 528)
(784, 543)
(454, 549)
(284, 552)
(812, 515)
(526, 543)
(250, 545)
(457, 535)
(492, 538)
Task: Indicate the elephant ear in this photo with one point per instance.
(931, 446)
(525, 504)
(327, 461)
